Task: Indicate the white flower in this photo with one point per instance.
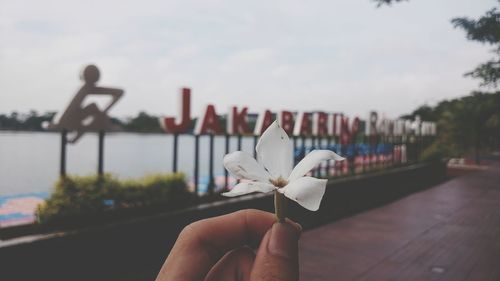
(273, 169)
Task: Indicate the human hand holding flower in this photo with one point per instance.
(221, 248)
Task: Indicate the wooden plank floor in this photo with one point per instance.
(448, 232)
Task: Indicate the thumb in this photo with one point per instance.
(277, 258)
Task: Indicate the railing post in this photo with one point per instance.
(255, 140)
(404, 142)
(363, 156)
(239, 142)
(196, 162)
(328, 144)
(303, 151)
(100, 162)
(352, 164)
(211, 182)
(226, 150)
(338, 151)
(421, 147)
(174, 158)
(317, 145)
(64, 142)
(294, 145)
(390, 142)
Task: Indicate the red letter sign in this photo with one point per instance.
(303, 125)
(285, 119)
(237, 122)
(263, 121)
(334, 126)
(347, 134)
(209, 123)
(320, 124)
(168, 123)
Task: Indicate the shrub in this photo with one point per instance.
(87, 195)
(440, 149)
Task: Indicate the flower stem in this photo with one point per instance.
(280, 206)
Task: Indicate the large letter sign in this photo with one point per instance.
(303, 124)
(320, 124)
(285, 119)
(264, 120)
(169, 124)
(209, 123)
(237, 121)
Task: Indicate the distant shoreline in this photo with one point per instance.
(57, 132)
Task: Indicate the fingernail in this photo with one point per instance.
(295, 224)
(283, 240)
(298, 226)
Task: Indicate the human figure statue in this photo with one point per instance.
(79, 118)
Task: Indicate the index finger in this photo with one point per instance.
(201, 244)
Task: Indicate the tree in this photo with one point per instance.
(386, 2)
(143, 123)
(425, 112)
(487, 31)
(467, 125)
(31, 121)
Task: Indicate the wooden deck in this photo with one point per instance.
(448, 232)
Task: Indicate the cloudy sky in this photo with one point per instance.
(336, 55)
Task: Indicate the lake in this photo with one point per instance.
(29, 161)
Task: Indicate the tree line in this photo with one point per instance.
(467, 126)
(34, 121)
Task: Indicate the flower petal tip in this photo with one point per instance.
(313, 209)
(307, 191)
(229, 194)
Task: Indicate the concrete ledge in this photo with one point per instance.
(135, 249)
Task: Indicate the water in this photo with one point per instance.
(29, 161)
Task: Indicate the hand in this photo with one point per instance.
(219, 249)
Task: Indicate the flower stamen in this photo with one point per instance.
(279, 182)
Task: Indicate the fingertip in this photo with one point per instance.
(296, 225)
(235, 265)
(283, 240)
(277, 257)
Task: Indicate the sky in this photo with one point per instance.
(335, 56)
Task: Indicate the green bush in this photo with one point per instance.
(437, 151)
(84, 195)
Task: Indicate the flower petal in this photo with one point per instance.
(275, 152)
(243, 166)
(307, 191)
(311, 160)
(249, 187)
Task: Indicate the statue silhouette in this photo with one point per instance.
(80, 119)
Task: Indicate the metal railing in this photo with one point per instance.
(363, 154)
(366, 154)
